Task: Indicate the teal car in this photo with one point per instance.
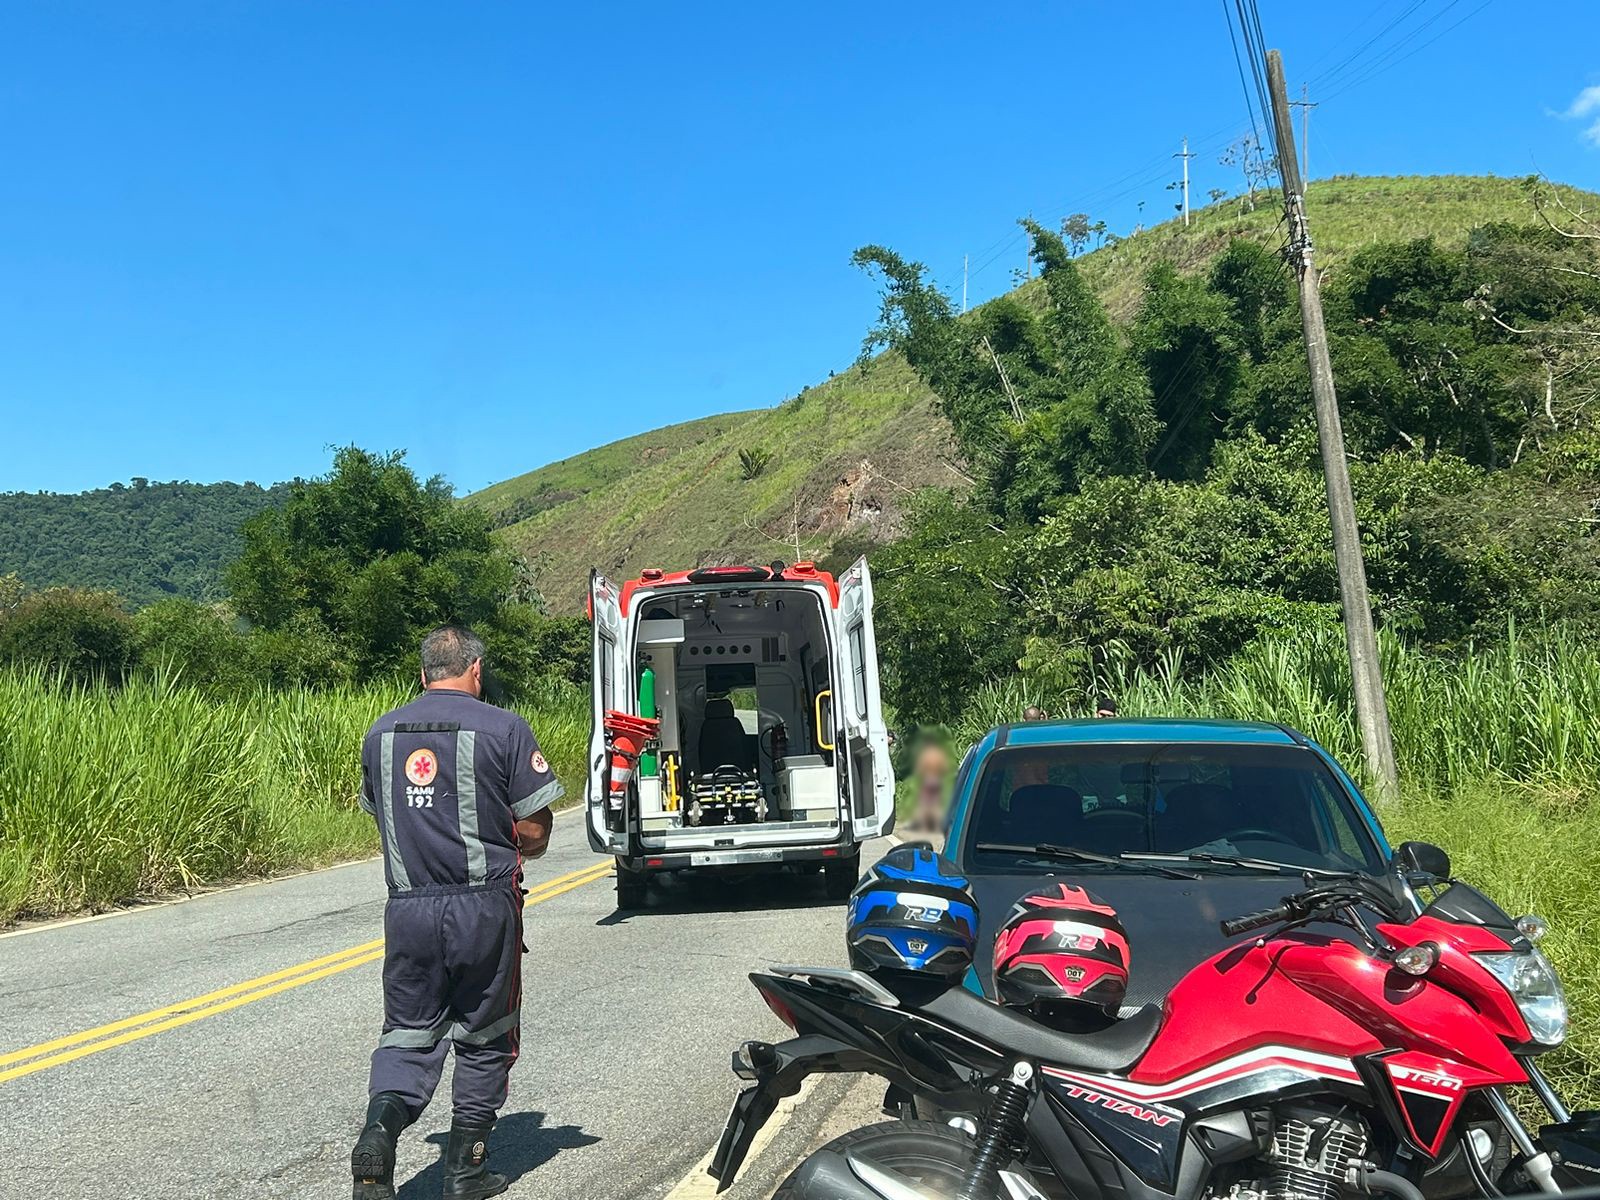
(1176, 823)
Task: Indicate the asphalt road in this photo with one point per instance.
(218, 1047)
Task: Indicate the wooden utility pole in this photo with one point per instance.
(1186, 156)
(964, 259)
(1372, 712)
(1305, 106)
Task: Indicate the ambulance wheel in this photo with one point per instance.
(632, 887)
(839, 876)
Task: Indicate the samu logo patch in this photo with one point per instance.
(421, 767)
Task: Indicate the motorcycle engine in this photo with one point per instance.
(1312, 1148)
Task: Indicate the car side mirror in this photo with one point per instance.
(1422, 858)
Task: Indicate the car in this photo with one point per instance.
(1176, 823)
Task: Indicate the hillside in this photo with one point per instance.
(848, 452)
(147, 541)
(844, 455)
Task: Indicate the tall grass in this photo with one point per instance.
(1499, 755)
(1523, 709)
(108, 794)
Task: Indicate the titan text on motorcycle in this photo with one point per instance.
(1361, 1043)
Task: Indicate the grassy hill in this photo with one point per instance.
(847, 453)
(844, 456)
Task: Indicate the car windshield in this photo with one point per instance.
(1275, 803)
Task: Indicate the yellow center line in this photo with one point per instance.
(103, 1037)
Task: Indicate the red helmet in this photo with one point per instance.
(1061, 943)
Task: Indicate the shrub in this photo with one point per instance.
(79, 633)
(200, 644)
(753, 462)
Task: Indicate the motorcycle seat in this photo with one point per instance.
(1115, 1048)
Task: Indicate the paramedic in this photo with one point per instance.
(462, 795)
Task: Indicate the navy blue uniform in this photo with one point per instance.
(447, 777)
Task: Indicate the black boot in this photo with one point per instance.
(465, 1175)
(372, 1161)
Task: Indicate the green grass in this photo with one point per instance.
(1500, 764)
(108, 795)
(1345, 214)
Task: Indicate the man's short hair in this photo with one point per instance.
(1033, 713)
(449, 652)
(1106, 704)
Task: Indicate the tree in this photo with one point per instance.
(1038, 397)
(367, 559)
(80, 633)
(1077, 230)
(1254, 163)
(945, 617)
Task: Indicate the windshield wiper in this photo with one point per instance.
(1073, 854)
(1270, 865)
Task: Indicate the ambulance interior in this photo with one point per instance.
(741, 678)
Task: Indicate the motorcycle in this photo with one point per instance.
(1363, 1046)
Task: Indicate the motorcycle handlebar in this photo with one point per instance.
(1255, 920)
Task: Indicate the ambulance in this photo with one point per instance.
(738, 724)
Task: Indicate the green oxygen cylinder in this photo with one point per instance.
(647, 708)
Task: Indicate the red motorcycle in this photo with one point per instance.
(1363, 1046)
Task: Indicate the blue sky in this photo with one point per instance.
(234, 233)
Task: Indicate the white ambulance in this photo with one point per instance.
(771, 749)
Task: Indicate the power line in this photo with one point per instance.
(1379, 70)
(1416, 31)
(1353, 32)
(1238, 60)
(1332, 72)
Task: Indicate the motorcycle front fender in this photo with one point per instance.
(1575, 1143)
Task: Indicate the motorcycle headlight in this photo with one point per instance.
(1534, 985)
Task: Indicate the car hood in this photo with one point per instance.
(1171, 923)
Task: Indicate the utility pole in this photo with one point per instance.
(1305, 106)
(1372, 712)
(1186, 156)
(964, 259)
(1027, 258)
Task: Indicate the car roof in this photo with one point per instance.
(1144, 729)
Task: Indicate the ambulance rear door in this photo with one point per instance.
(860, 710)
(610, 680)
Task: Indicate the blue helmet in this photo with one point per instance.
(912, 911)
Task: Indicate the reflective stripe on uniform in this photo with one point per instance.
(489, 1033)
(467, 806)
(391, 839)
(415, 1039)
(426, 1039)
(543, 798)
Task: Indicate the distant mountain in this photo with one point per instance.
(846, 454)
(147, 541)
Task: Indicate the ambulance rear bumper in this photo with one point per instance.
(736, 858)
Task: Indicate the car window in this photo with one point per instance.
(1275, 802)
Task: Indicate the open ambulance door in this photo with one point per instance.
(866, 744)
(610, 664)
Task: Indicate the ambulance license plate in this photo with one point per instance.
(744, 856)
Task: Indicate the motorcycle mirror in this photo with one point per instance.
(1423, 858)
